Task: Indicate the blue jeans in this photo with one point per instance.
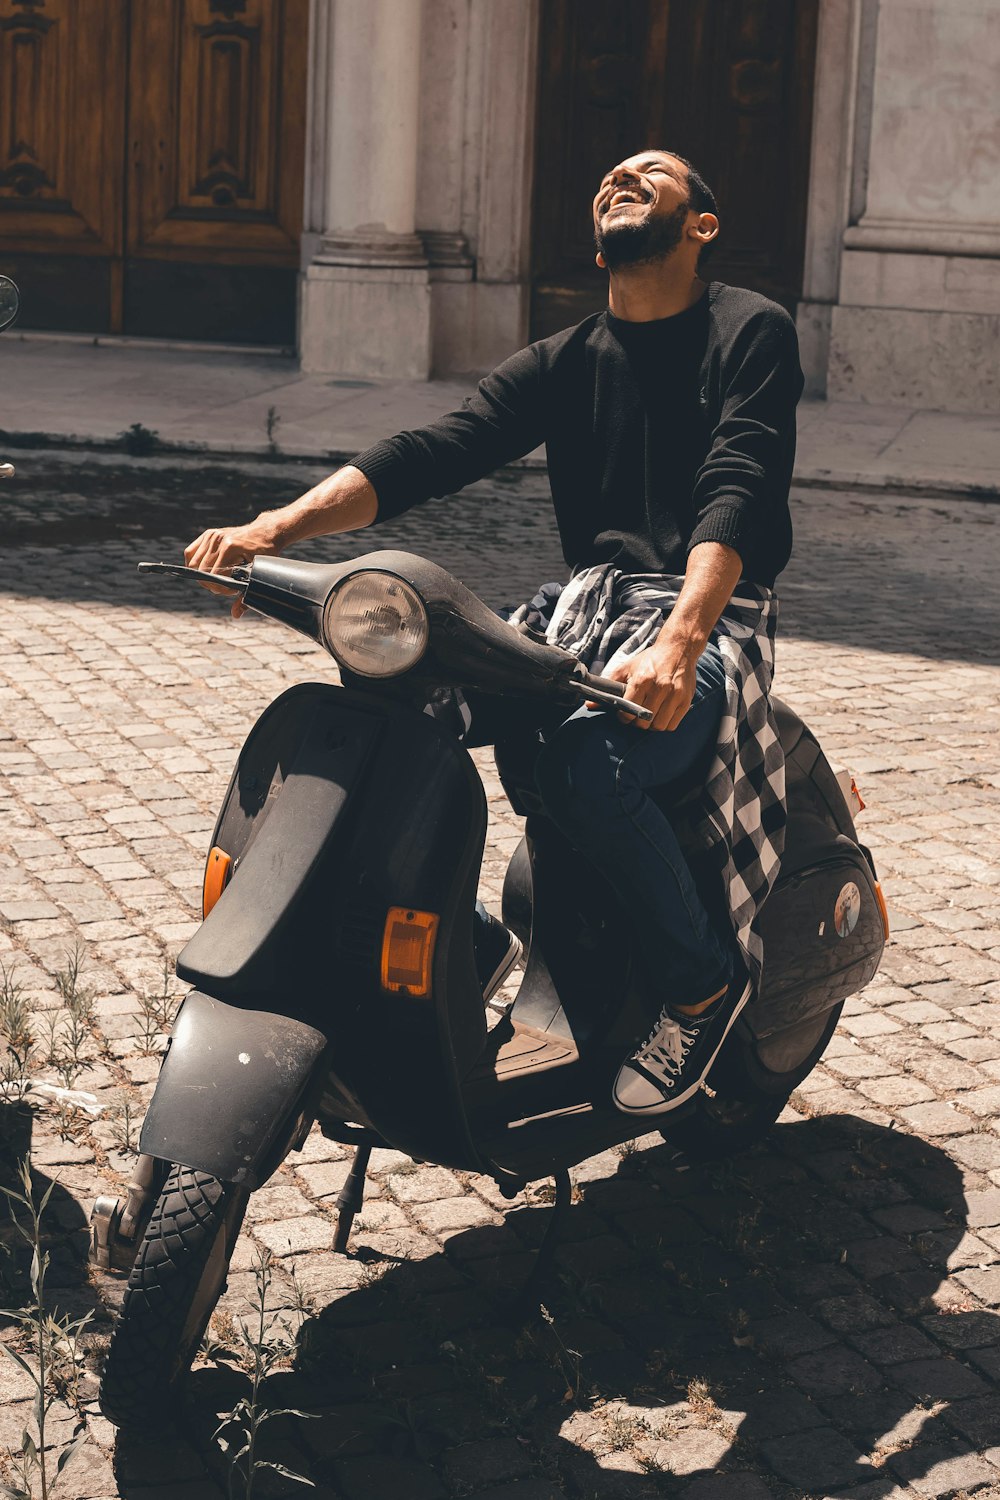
(593, 777)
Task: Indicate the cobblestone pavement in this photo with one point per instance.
(818, 1317)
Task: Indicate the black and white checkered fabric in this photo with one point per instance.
(603, 617)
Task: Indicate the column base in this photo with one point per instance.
(905, 357)
(366, 321)
(812, 320)
(477, 324)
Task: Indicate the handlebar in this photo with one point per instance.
(237, 579)
(583, 684)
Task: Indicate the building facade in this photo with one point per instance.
(401, 188)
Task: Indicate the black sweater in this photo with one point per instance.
(658, 435)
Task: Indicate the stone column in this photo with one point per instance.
(843, 42)
(480, 318)
(365, 305)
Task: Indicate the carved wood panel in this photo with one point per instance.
(217, 130)
(726, 83)
(62, 114)
(740, 78)
(152, 164)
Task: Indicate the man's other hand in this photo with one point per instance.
(662, 678)
(222, 548)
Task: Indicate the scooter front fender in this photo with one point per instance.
(230, 1083)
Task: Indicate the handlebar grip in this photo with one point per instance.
(609, 694)
(604, 684)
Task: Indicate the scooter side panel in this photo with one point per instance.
(237, 951)
(229, 1083)
(821, 925)
(387, 816)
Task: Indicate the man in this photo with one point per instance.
(670, 433)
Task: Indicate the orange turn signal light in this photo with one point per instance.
(408, 951)
(883, 909)
(217, 873)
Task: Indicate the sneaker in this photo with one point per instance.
(674, 1061)
(498, 951)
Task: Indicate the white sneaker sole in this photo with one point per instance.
(504, 969)
(673, 1101)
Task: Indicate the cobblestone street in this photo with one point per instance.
(819, 1317)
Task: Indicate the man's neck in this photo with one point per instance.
(639, 294)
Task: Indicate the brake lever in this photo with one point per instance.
(590, 693)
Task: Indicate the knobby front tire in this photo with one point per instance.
(178, 1277)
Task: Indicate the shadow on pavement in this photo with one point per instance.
(779, 1317)
(65, 1230)
(873, 572)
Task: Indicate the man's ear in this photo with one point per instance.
(601, 261)
(706, 228)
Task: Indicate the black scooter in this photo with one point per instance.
(334, 977)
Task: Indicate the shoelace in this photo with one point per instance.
(666, 1047)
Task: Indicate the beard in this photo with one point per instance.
(630, 243)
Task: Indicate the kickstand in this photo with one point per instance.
(527, 1297)
(350, 1198)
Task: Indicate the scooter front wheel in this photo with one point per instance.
(178, 1277)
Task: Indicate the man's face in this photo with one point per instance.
(641, 209)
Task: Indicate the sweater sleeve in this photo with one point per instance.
(501, 421)
(741, 490)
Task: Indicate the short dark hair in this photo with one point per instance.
(700, 197)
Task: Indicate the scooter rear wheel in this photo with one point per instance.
(746, 1099)
(178, 1276)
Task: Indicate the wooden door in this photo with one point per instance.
(215, 168)
(725, 83)
(62, 108)
(152, 165)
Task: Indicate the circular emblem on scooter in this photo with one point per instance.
(847, 910)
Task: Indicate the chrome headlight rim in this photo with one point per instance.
(336, 647)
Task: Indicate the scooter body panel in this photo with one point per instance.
(391, 814)
(821, 926)
(292, 786)
(231, 1081)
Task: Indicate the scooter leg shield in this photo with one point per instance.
(231, 1080)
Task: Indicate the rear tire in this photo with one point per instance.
(748, 1097)
(178, 1276)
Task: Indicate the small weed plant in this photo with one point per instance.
(123, 1122)
(271, 424)
(15, 1012)
(68, 1032)
(50, 1354)
(157, 1012)
(567, 1361)
(139, 440)
(261, 1347)
(15, 1029)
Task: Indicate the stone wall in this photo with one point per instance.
(902, 299)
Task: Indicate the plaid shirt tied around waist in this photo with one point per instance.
(604, 616)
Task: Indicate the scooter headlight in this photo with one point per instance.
(376, 625)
